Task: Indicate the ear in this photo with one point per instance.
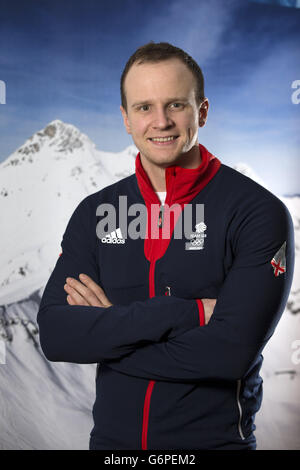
(125, 120)
(203, 111)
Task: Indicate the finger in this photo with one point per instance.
(84, 292)
(70, 300)
(94, 287)
(77, 298)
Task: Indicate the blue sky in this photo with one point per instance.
(63, 60)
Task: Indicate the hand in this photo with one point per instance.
(86, 292)
(209, 305)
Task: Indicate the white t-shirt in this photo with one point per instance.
(161, 196)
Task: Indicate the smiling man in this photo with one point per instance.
(176, 325)
(163, 109)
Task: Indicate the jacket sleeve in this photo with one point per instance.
(249, 305)
(86, 334)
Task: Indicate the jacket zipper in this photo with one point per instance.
(240, 410)
(146, 413)
(151, 279)
(151, 382)
(161, 216)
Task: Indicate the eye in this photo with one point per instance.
(144, 107)
(176, 105)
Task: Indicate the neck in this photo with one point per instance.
(156, 173)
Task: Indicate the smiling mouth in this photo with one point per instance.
(163, 139)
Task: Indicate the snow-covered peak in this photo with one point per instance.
(41, 184)
(57, 137)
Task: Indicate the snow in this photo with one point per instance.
(41, 183)
(45, 405)
(278, 422)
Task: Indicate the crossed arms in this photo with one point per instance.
(160, 338)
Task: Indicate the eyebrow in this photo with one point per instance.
(170, 100)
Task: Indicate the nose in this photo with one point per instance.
(161, 119)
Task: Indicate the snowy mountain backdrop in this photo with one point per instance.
(46, 405)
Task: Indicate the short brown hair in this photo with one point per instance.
(158, 52)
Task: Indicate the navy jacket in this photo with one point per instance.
(165, 380)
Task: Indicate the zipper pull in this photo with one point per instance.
(161, 217)
(168, 291)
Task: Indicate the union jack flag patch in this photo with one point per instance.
(279, 261)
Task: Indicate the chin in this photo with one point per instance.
(165, 161)
(164, 157)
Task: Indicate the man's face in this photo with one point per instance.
(161, 103)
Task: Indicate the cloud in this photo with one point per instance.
(284, 3)
(193, 26)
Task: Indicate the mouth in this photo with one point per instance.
(163, 140)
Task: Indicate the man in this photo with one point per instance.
(176, 369)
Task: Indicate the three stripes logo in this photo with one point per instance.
(115, 237)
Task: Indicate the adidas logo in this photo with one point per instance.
(114, 237)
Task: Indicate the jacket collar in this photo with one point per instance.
(182, 184)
